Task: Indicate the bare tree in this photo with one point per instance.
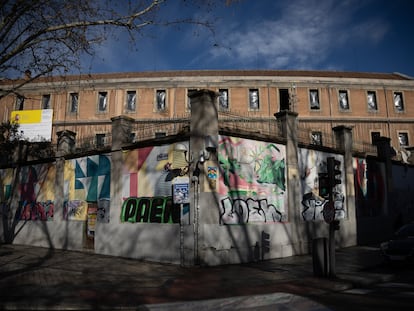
(48, 37)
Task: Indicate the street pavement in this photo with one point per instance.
(39, 278)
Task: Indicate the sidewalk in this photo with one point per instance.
(38, 278)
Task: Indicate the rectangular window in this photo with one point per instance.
(131, 100)
(74, 102)
(254, 99)
(374, 137)
(160, 134)
(46, 101)
(398, 101)
(314, 100)
(161, 100)
(343, 100)
(100, 140)
(284, 103)
(403, 139)
(102, 101)
(316, 138)
(223, 99)
(19, 102)
(372, 101)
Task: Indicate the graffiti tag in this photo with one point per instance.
(37, 210)
(150, 210)
(242, 211)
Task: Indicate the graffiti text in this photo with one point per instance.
(242, 211)
(150, 210)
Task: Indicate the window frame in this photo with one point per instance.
(318, 142)
(279, 93)
(127, 101)
(220, 92)
(157, 101)
(250, 92)
(19, 105)
(372, 132)
(44, 96)
(370, 109)
(100, 140)
(70, 100)
(402, 101)
(318, 107)
(341, 108)
(405, 133)
(106, 102)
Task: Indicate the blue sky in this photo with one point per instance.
(347, 35)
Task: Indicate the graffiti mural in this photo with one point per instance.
(34, 191)
(311, 163)
(37, 210)
(87, 179)
(252, 181)
(150, 210)
(147, 186)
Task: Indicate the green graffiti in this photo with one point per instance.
(150, 210)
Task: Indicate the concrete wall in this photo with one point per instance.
(245, 188)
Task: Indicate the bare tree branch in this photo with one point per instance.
(49, 36)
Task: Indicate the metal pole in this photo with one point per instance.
(332, 261)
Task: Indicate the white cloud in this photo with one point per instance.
(302, 36)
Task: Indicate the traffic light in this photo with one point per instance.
(333, 171)
(324, 187)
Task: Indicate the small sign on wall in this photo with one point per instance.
(181, 190)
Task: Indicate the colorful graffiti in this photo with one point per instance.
(311, 163)
(37, 210)
(87, 180)
(252, 181)
(150, 171)
(92, 178)
(150, 210)
(35, 190)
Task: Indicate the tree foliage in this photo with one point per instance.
(45, 37)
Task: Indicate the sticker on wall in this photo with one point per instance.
(212, 173)
(75, 210)
(181, 190)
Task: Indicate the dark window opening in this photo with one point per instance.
(100, 140)
(46, 101)
(19, 102)
(316, 138)
(284, 103)
(374, 137)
